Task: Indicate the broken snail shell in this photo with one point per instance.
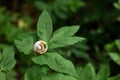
(40, 47)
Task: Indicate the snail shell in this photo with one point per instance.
(40, 47)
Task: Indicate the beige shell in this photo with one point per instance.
(40, 47)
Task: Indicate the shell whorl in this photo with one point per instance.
(40, 47)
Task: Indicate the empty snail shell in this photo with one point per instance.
(40, 47)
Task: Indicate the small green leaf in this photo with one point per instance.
(103, 73)
(2, 76)
(117, 5)
(65, 32)
(36, 72)
(88, 73)
(58, 76)
(64, 41)
(115, 77)
(25, 42)
(118, 43)
(8, 61)
(56, 62)
(115, 57)
(44, 26)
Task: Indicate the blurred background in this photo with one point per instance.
(99, 22)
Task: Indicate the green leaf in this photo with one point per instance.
(64, 41)
(36, 72)
(8, 61)
(115, 57)
(117, 5)
(3, 46)
(88, 73)
(11, 75)
(65, 32)
(44, 26)
(118, 43)
(56, 62)
(58, 76)
(103, 73)
(115, 77)
(25, 42)
(79, 71)
(2, 76)
(110, 47)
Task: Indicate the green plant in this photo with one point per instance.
(97, 57)
(117, 6)
(88, 72)
(11, 26)
(113, 50)
(49, 64)
(7, 62)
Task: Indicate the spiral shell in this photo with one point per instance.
(40, 47)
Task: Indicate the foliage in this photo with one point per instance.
(60, 7)
(69, 56)
(51, 59)
(7, 62)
